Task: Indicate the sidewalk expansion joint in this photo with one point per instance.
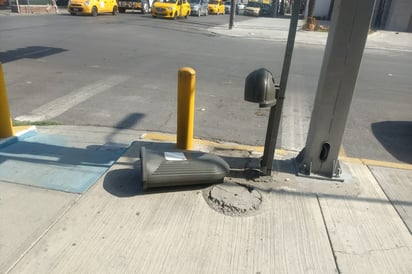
(327, 233)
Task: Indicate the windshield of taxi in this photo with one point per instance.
(166, 1)
(253, 4)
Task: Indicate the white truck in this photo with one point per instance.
(143, 5)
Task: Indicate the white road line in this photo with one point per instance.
(62, 104)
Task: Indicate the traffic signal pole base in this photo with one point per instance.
(305, 170)
(319, 177)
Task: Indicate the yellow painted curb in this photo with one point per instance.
(342, 155)
(369, 162)
(172, 138)
(386, 164)
(19, 129)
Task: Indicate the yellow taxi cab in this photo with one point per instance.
(92, 7)
(253, 8)
(171, 8)
(216, 7)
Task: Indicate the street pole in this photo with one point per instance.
(276, 110)
(232, 13)
(18, 6)
(343, 54)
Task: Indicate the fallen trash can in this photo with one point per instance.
(180, 167)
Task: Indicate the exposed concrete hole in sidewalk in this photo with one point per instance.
(234, 199)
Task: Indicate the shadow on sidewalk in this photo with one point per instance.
(127, 182)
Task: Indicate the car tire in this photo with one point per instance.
(72, 13)
(175, 15)
(145, 7)
(94, 12)
(115, 11)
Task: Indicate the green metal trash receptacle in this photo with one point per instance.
(181, 167)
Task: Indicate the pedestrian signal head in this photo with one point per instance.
(260, 87)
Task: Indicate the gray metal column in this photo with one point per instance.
(344, 49)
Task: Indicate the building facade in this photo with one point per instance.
(393, 15)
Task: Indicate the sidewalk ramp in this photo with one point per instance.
(57, 162)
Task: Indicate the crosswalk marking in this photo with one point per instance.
(62, 104)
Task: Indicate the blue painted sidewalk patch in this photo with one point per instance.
(57, 162)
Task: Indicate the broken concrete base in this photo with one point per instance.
(234, 199)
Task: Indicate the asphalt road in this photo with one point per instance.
(121, 71)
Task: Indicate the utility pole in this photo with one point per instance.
(232, 13)
(343, 54)
(17, 5)
(282, 7)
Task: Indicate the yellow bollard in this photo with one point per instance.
(185, 107)
(6, 125)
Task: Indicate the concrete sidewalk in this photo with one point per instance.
(276, 29)
(71, 201)
(298, 225)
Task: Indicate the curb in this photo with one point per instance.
(22, 132)
(164, 137)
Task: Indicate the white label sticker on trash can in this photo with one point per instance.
(175, 156)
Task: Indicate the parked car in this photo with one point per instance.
(199, 7)
(143, 5)
(92, 7)
(240, 7)
(216, 7)
(171, 8)
(266, 10)
(228, 4)
(252, 9)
